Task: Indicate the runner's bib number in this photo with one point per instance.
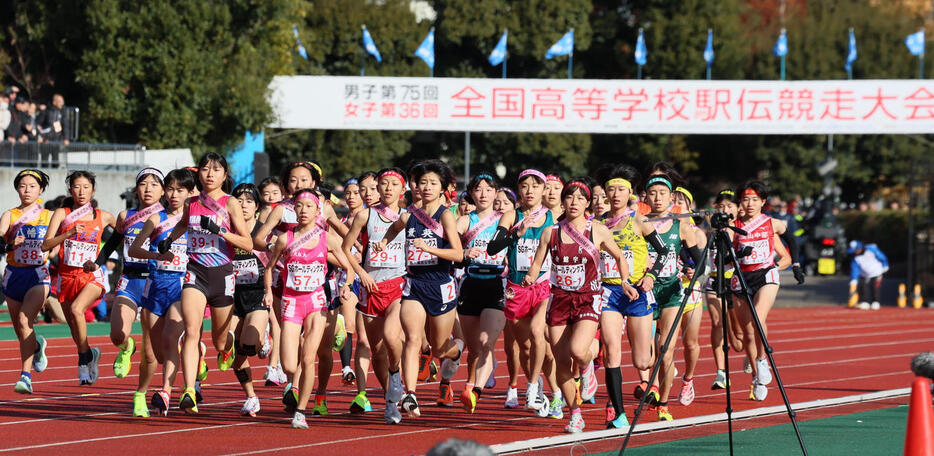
(30, 252)
(448, 292)
(611, 267)
(127, 242)
(485, 258)
(179, 263)
(203, 242)
(246, 271)
(419, 257)
(77, 253)
(760, 252)
(305, 277)
(671, 266)
(525, 253)
(568, 277)
(390, 257)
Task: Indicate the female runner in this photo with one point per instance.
(574, 310)
(693, 310)
(348, 313)
(551, 196)
(506, 202)
(26, 277)
(78, 228)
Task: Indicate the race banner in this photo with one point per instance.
(880, 106)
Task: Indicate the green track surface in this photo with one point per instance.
(61, 330)
(876, 432)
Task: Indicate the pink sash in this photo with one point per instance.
(481, 225)
(28, 216)
(301, 240)
(755, 223)
(588, 246)
(77, 214)
(165, 225)
(615, 220)
(212, 205)
(528, 220)
(142, 215)
(387, 213)
(429, 222)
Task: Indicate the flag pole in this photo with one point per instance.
(506, 54)
(849, 70)
(783, 68)
(921, 60)
(709, 31)
(362, 53)
(571, 57)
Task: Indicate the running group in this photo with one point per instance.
(563, 270)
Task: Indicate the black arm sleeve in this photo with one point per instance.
(661, 249)
(501, 240)
(112, 243)
(696, 254)
(792, 244)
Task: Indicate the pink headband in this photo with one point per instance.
(553, 178)
(581, 186)
(307, 195)
(392, 174)
(532, 172)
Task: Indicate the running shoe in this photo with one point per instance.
(687, 392)
(610, 413)
(664, 414)
(512, 398)
(392, 413)
(250, 407)
(188, 403)
(140, 409)
(640, 390)
(347, 376)
(432, 371)
(124, 360)
(747, 366)
(533, 399)
(290, 398)
(202, 366)
(654, 396)
(93, 371)
(321, 406)
(469, 400)
(449, 365)
(225, 359)
(39, 360)
(764, 371)
(160, 402)
(864, 306)
(545, 409)
(445, 396)
(758, 391)
(491, 382)
(24, 385)
(395, 391)
(580, 399)
(589, 383)
(410, 405)
(198, 394)
(618, 423)
(266, 348)
(424, 369)
(299, 421)
(576, 425)
(340, 333)
(272, 376)
(875, 305)
(720, 381)
(556, 410)
(360, 404)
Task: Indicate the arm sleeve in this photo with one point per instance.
(661, 249)
(501, 240)
(789, 239)
(112, 243)
(695, 253)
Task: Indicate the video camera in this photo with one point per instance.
(720, 220)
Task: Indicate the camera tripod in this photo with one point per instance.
(724, 254)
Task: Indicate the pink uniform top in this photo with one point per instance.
(204, 247)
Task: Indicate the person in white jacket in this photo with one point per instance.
(866, 267)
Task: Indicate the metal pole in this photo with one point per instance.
(921, 66)
(570, 64)
(639, 72)
(504, 67)
(466, 158)
(783, 68)
(708, 71)
(911, 228)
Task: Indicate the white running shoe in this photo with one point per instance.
(266, 348)
(545, 409)
(687, 392)
(588, 383)
(759, 392)
(449, 366)
(765, 374)
(24, 385)
(392, 413)
(747, 366)
(533, 399)
(395, 391)
(864, 306)
(720, 381)
(512, 398)
(39, 360)
(299, 421)
(491, 382)
(875, 305)
(250, 407)
(92, 366)
(576, 425)
(84, 374)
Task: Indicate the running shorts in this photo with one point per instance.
(615, 300)
(131, 287)
(479, 294)
(436, 296)
(215, 283)
(756, 280)
(248, 299)
(161, 291)
(567, 307)
(375, 304)
(296, 306)
(522, 302)
(18, 280)
(70, 285)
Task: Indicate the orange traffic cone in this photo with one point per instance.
(919, 436)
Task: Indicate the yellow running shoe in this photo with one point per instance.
(202, 366)
(663, 413)
(187, 402)
(225, 359)
(321, 405)
(340, 333)
(469, 400)
(123, 361)
(140, 408)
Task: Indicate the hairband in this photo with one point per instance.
(532, 172)
(749, 191)
(553, 178)
(310, 164)
(510, 192)
(686, 193)
(619, 181)
(483, 176)
(727, 192)
(29, 172)
(307, 195)
(581, 186)
(391, 173)
(350, 182)
(658, 180)
(153, 171)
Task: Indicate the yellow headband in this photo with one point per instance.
(27, 172)
(686, 193)
(335, 200)
(317, 168)
(619, 181)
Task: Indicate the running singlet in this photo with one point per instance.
(480, 241)
(390, 262)
(289, 218)
(131, 264)
(306, 268)
(80, 247)
(572, 269)
(422, 264)
(635, 250)
(247, 267)
(522, 253)
(672, 240)
(30, 252)
(179, 248)
(206, 248)
(760, 239)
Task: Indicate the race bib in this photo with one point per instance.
(77, 253)
(760, 252)
(180, 262)
(419, 257)
(203, 242)
(568, 277)
(448, 292)
(391, 257)
(246, 271)
(485, 258)
(122, 283)
(305, 277)
(671, 266)
(611, 268)
(189, 278)
(229, 285)
(127, 242)
(525, 253)
(30, 252)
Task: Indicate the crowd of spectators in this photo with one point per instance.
(24, 120)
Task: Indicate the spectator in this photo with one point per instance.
(4, 114)
(867, 266)
(52, 121)
(30, 126)
(18, 114)
(779, 210)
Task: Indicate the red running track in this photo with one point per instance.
(821, 353)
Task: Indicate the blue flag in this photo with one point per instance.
(298, 41)
(708, 51)
(370, 46)
(426, 50)
(915, 42)
(499, 52)
(641, 52)
(851, 52)
(564, 46)
(781, 46)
